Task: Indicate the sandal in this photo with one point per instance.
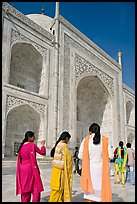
(115, 182)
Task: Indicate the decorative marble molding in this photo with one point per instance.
(82, 66)
(127, 99)
(128, 90)
(16, 37)
(12, 11)
(13, 101)
(66, 84)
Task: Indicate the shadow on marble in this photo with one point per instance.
(75, 198)
(79, 198)
(116, 198)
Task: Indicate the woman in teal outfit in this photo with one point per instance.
(120, 162)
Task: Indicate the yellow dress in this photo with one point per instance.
(61, 179)
(120, 165)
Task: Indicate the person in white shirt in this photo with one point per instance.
(130, 164)
(96, 151)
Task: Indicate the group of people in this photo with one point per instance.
(94, 152)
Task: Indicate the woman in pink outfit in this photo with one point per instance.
(28, 180)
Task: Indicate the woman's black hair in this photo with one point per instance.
(122, 149)
(128, 145)
(121, 144)
(63, 136)
(95, 128)
(27, 135)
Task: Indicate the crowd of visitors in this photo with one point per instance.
(99, 160)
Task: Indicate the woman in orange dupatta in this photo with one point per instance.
(95, 153)
(61, 176)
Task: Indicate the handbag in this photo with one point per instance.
(59, 164)
(79, 172)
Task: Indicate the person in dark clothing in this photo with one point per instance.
(76, 160)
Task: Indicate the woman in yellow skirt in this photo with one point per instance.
(61, 176)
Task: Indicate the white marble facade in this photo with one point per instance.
(55, 79)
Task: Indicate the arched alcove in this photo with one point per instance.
(25, 67)
(130, 138)
(19, 120)
(93, 105)
(129, 108)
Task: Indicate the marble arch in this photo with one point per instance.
(20, 119)
(24, 55)
(129, 107)
(94, 104)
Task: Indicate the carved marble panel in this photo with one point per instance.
(13, 101)
(17, 37)
(66, 85)
(83, 66)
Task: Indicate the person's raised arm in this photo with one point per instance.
(41, 151)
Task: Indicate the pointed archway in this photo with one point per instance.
(93, 105)
(26, 67)
(19, 120)
(130, 138)
(130, 113)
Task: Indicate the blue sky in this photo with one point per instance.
(110, 25)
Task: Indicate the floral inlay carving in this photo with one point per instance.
(17, 37)
(82, 66)
(13, 101)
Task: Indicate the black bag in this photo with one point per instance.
(80, 171)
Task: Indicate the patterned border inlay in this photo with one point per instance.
(16, 37)
(13, 101)
(83, 66)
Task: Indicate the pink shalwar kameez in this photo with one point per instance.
(28, 178)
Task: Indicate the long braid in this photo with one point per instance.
(23, 141)
(63, 136)
(27, 134)
(95, 128)
(53, 149)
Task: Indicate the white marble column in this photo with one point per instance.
(121, 100)
(119, 57)
(56, 73)
(73, 102)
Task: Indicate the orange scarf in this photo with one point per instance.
(86, 183)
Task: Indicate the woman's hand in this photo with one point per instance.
(43, 142)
